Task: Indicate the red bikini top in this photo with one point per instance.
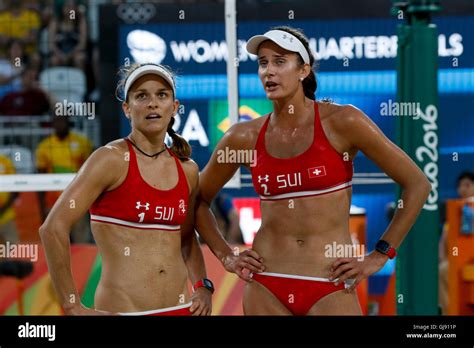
(136, 204)
(318, 170)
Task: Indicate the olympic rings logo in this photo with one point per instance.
(136, 12)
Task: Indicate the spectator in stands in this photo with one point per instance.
(465, 184)
(63, 152)
(20, 23)
(8, 230)
(11, 66)
(465, 190)
(93, 51)
(68, 36)
(29, 100)
(227, 218)
(47, 15)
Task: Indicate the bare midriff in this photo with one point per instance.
(141, 269)
(296, 234)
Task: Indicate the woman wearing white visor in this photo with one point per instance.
(303, 175)
(140, 194)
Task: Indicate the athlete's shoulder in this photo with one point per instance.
(341, 117)
(190, 167)
(113, 154)
(117, 146)
(106, 164)
(244, 134)
(191, 170)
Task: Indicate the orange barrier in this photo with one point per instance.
(28, 217)
(460, 261)
(39, 297)
(386, 303)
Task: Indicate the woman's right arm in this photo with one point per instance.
(97, 174)
(212, 179)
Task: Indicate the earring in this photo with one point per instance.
(301, 78)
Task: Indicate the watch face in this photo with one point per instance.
(207, 283)
(382, 246)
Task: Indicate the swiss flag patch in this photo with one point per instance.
(182, 208)
(316, 172)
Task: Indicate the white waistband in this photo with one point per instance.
(347, 283)
(156, 311)
(301, 194)
(134, 224)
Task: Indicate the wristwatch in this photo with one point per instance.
(385, 248)
(207, 283)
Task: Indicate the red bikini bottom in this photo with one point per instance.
(297, 293)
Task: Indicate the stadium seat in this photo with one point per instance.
(64, 83)
(21, 158)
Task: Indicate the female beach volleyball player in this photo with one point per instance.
(303, 175)
(141, 196)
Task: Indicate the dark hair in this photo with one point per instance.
(180, 147)
(25, 59)
(465, 175)
(27, 67)
(11, 42)
(309, 83)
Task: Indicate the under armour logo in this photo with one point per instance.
(139, 205)
(287, 37)
(264, 179)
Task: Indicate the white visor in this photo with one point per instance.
(149, 69)
(281, 38)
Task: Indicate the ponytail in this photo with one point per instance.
(181, 147)
(310, 85)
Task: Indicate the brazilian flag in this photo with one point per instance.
(219, 122)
